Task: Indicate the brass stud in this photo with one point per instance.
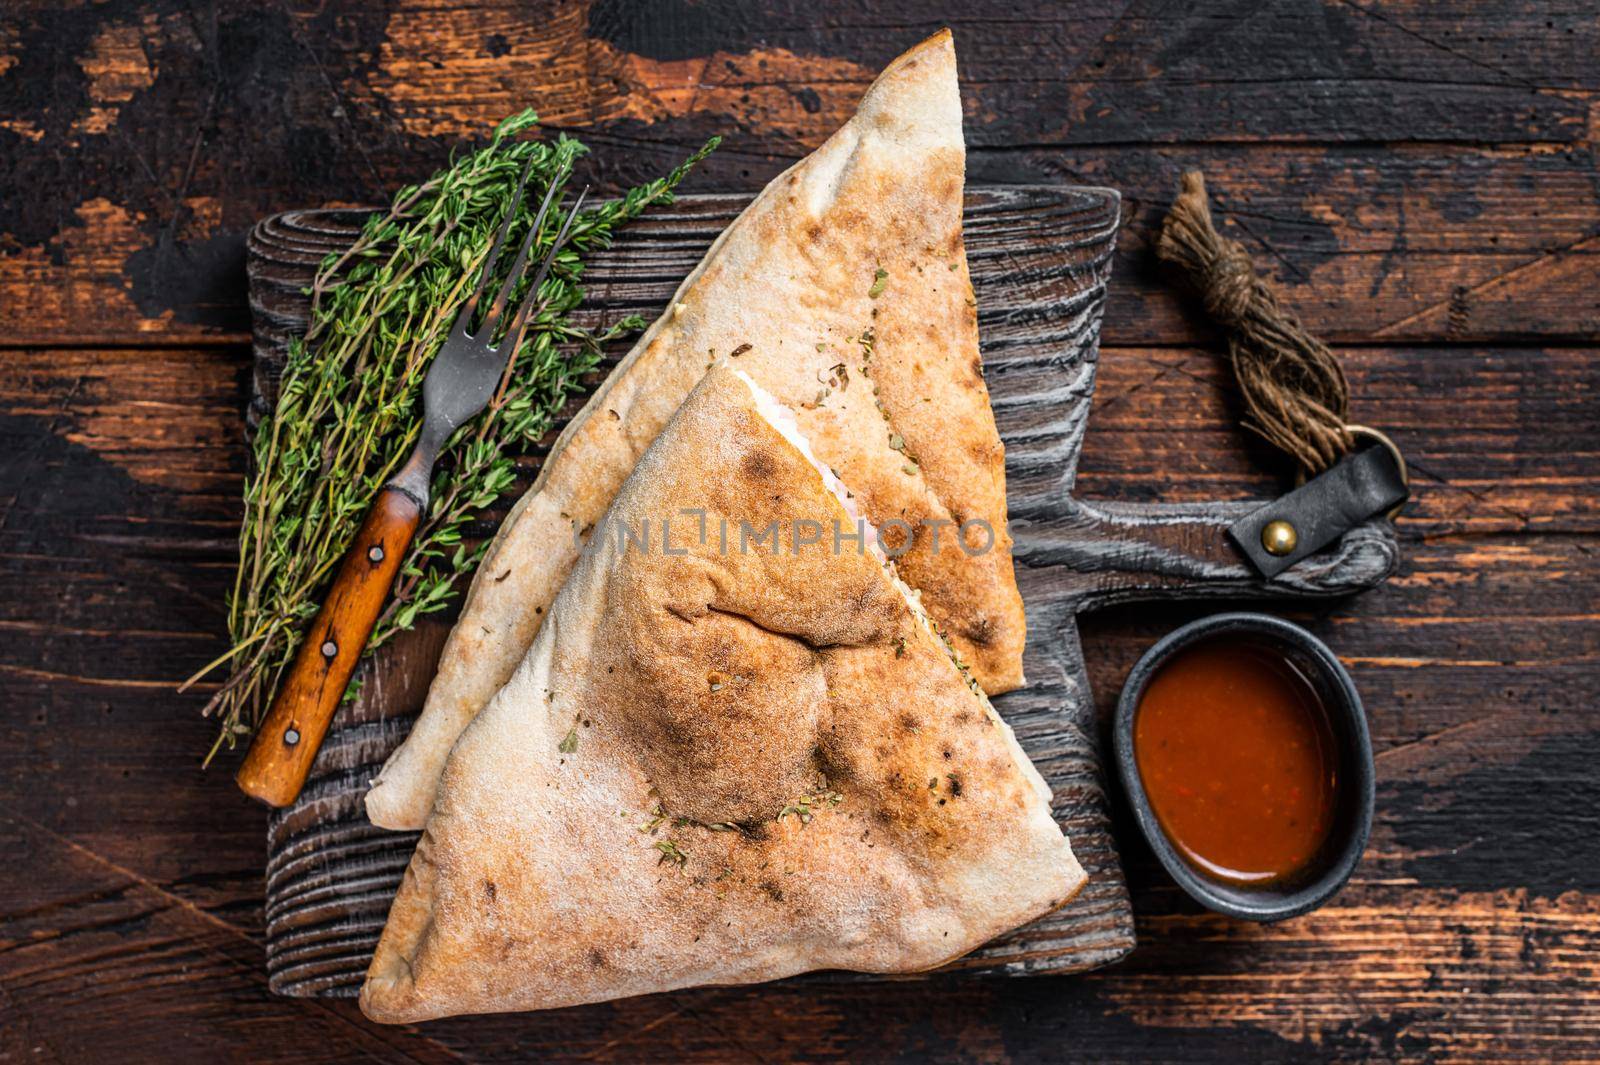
(1279, 537)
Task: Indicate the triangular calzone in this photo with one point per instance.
(736, 751)
(843, 288)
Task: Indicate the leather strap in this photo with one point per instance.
(1363, 484)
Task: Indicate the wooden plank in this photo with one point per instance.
(122, 467)
(1426, 244)
(1511, 458)
(1487, 468)
(101, 955)
(98, 954)
(1468, 932)
(1411, 171)
(1398, 244)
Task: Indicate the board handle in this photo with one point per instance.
(286, 744)
(1125, 552)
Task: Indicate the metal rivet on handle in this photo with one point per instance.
(375, 553)
(1279, 537)
(329, 649)
(291, 735)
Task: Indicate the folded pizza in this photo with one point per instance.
(738, 749)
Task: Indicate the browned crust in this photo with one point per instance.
(712, 689)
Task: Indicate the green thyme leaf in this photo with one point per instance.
(349, 401)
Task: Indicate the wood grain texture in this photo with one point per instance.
(1039, 258)
(1419, 177)
(1406, 169)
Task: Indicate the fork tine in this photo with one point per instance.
(464, 319)
(525, 312)
(495, 314)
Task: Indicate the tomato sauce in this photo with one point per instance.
(1237, 759)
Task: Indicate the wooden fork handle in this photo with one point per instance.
(280, 757)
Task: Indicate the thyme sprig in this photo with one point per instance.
(349, 401)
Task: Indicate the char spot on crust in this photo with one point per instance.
(597, 958)
(909, 722)
(754, 830)
(864, 599)
(489, 891)
(980, 631)
(758, 465)
(772, 890)
(835, 771)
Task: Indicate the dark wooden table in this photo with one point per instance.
(1420, 177)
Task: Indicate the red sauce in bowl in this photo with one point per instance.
(1237, 759)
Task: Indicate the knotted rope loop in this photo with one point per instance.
(1295, 393)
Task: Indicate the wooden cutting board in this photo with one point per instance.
(1040, 258)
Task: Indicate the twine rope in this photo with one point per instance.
(1295, 393)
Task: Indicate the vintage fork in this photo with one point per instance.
(459, 384)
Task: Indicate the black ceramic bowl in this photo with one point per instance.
(1352, 823)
